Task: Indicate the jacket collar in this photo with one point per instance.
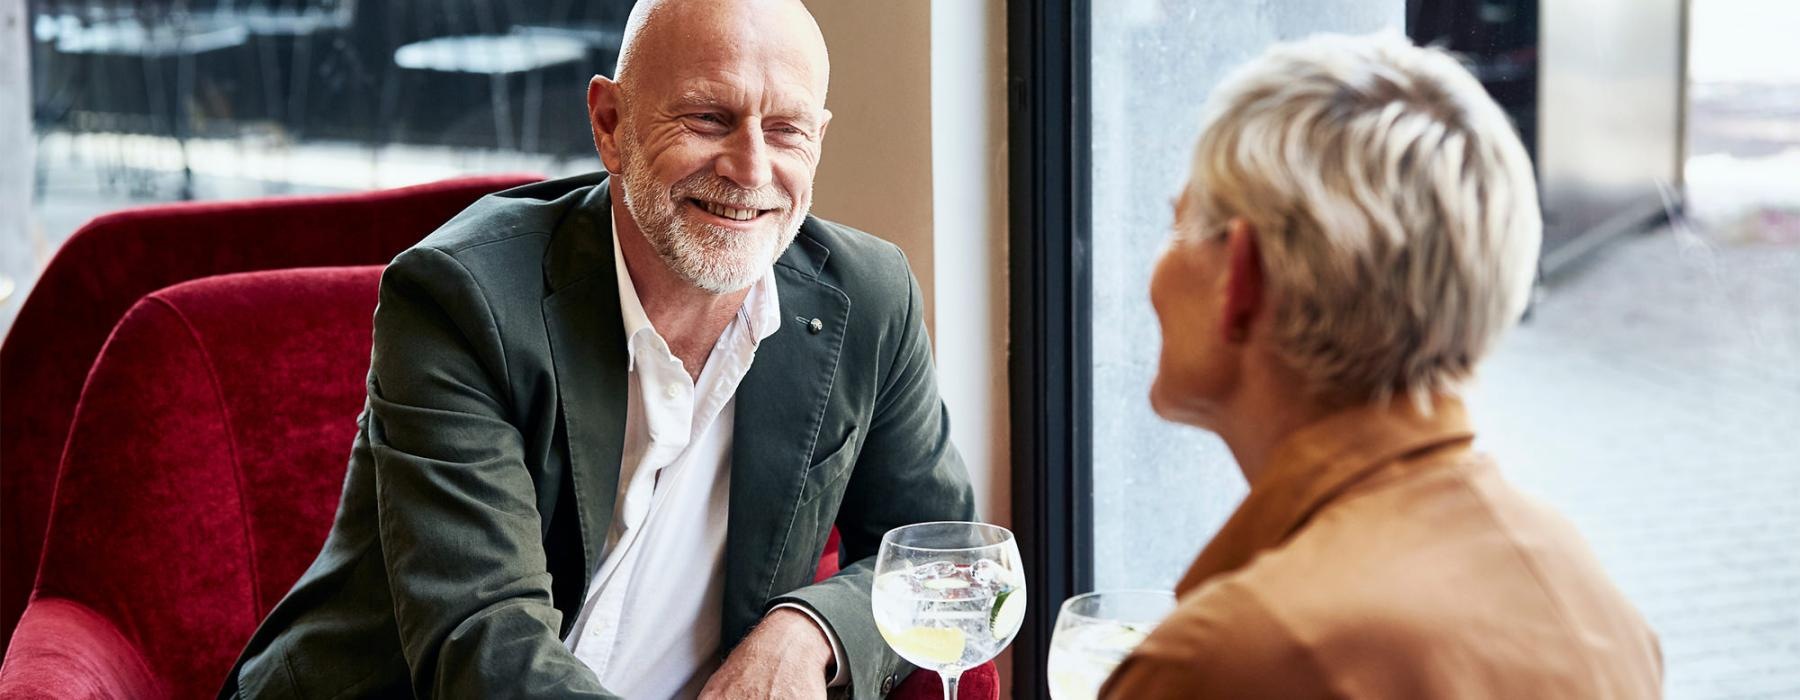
(1319, 463)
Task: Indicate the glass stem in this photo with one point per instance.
(950, 679)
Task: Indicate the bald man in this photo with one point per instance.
(612, 419)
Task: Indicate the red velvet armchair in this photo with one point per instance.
(203, 468)
(118, 258)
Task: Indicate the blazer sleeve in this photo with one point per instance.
(907, 472)
(458, 521)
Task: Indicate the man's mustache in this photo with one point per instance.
(712, 188)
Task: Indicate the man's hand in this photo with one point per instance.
(786, 656)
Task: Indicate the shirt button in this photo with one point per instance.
(673, 390)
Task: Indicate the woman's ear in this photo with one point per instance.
(1243, 281)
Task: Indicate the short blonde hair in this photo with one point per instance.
(1394, 207)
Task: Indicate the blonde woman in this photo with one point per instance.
(1360, 226)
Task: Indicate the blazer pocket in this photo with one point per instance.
(826, 471)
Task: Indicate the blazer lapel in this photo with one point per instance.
(781, 404)
(587, 342)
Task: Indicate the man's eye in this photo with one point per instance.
(711, 119)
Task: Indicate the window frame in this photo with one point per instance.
(1049, 364)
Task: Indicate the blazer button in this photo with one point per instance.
(887, 684)
(815, 326)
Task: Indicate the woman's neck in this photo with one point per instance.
(1269, 406)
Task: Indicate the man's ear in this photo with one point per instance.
(603, 115)
(1243, 281)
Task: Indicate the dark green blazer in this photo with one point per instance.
(482, 481)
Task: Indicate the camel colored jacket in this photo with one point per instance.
(1378, 556)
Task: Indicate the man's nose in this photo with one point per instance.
(746, 158)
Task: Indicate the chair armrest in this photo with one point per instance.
(979, 683)
(63, 649)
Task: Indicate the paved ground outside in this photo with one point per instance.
(1655, 399)
(1654, 396)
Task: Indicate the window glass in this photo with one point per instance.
(1650, 394)
(1160, 490)
(136, 103)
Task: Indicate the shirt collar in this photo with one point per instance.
(761, 309)
(1317, 464)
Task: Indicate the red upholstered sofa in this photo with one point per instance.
(203, 468)
(117, 259)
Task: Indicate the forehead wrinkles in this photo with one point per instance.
(758, 90)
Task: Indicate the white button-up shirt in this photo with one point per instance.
(649, 626)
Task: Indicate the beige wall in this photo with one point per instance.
(876, 170)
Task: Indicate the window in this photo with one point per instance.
(1648, 396)
(135, 103)
(1152, 64)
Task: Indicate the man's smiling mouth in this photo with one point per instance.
(728, 212)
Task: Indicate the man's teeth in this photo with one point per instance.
(729, 212)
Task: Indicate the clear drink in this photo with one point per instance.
(948, 596)
(1095, 632)
(1082, 656)
(945, 616)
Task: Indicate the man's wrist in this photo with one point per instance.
(795, 628)
(837, 671)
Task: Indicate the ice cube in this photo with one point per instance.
(991, 575)
(933, 571)
(893, 583)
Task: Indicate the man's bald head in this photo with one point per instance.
(661, 31)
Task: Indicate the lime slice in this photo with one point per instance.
(937, 645)
(1008, 612)
(1123, 638)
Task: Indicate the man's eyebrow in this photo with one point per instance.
(801, 117)
(701, 99)
(698, 98)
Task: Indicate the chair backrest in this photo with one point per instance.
(116, 259)
(206, 460)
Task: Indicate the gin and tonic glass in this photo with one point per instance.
(948, 596)
(1094, 632)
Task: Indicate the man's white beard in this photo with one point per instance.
(713, 258)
